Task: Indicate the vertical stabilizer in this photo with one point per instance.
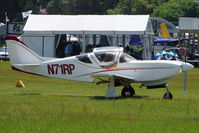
(164, 31)
(20, 53)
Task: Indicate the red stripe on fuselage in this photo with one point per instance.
(15, 39)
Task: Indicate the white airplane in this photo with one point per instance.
(107, 64)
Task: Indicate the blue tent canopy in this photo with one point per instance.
(135, 40)
(165, 40)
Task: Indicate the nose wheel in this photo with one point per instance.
(168, 94)
(128, 91)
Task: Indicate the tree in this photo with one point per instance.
(166, 9)
(54, 7)
(14, 8)
(189, 9)
(80, 6)
(123, 7)
(169, 11)
(172, 10)
(135, 6)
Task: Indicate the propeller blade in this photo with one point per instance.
(185, 82)
(185, 67)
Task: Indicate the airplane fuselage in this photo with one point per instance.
(70, 68)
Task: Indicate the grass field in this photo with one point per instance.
(55, 106)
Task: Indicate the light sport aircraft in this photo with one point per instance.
(109, 63)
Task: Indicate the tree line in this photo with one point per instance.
(170, 10)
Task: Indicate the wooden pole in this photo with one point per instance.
(198, 46)
(189, 42)
(184, 38)
(123, 41)
(194, 34)
(94, 40)
(179, 36)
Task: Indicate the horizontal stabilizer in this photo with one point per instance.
(27, 65)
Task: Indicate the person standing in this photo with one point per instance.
(165, 47)
(181, 52)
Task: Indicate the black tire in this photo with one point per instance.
(170, 96)
(127, 92)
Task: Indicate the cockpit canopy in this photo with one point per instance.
(104, 58)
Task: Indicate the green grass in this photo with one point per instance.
(54, 106)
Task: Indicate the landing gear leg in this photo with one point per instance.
(168, 94)
(111, 91)
(128, 91)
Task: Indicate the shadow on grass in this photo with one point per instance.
(191, 119)
(101, 97)
(120, 97)
(27, 93)
(90, 97)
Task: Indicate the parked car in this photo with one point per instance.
(194, 59)
(4, 53)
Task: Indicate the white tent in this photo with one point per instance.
(87, 24)
(43, 28)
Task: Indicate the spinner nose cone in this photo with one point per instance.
(186, 66)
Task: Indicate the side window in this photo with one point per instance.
(83, 58)
(125, 58)
(122, 59)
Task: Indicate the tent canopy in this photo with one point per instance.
(87, 24)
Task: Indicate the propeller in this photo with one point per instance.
(185, 67)
(185, 82)
(185, 74)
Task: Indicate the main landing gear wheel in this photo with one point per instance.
(168, 95)
(127, 91)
